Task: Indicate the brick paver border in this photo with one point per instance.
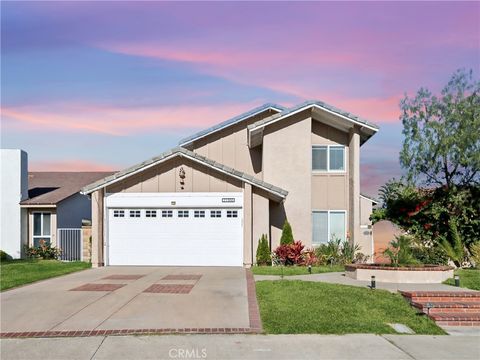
(253, 311)
(116, 332)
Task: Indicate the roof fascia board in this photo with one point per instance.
(38, 205)
(359, 123)
(228, 125)
(124, 176)
(113, 181)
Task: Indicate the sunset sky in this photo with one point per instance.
(97, 86)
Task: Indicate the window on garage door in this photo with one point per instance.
(232, 213)
(150, 213)
(199, 213)
(183, 213)
(134, 213)
(167, 213)
(215, 213)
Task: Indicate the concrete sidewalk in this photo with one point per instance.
(362, 346)
(342, 279)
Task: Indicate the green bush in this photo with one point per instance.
(264, 256)
(434, 255)
(336, 252)
(4, 256)
(475, 251)
(287, 235)
(399, 251)
(43, 251)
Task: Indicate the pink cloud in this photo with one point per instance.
(117, 121)
(69, 165)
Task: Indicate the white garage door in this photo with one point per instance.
(179, 236)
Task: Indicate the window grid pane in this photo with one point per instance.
(337, 225)
(337, 158)
(320, 227)
(319, 158)
(37, 224)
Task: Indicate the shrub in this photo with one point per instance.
(43, 251)
(400, 251)
(348, 250)
(429, 254)
(263, 252)
(475, 257)
(336, 252)
(4, 256)
(290, 254)
(294, 254)
(287, 235)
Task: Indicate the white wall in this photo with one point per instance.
(13, 189)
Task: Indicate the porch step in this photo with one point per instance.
(447, 307)
(442, 296)
(456, 319)
(453, 308)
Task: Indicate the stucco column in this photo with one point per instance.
(247, 224)
(354, 184)
(97, 228)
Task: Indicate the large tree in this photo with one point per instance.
(439, 200)
(442, 134)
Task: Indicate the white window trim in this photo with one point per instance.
(328, 160)
(41, 227)
(328, 223)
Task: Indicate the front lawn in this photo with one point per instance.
(469, 278)
(19, 272)
(300, 307)
(295, 270)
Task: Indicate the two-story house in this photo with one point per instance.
(208, 201)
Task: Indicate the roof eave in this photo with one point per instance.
(276, 195)
(189, 140)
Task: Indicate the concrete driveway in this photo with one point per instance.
(155, 299)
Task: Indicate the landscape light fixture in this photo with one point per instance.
(373, 283)
(309, 269)
(457, 280)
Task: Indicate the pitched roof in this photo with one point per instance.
(49, 188)
(232, 121)
(315, 103)
(180, 151)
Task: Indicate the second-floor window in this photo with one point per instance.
(328, 158)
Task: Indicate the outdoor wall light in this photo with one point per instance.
(373, 283)
(457, 280)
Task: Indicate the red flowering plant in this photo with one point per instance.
(294, 254)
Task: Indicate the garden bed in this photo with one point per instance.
(412, 274)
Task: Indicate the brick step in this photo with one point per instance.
(456, 319)
(442, 296)
(448, 307)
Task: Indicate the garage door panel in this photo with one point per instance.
(180, 241)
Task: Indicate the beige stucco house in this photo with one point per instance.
(208, 201)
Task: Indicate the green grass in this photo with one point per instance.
(301, 307)
(295, 270)
(18, 272)
(469, 278)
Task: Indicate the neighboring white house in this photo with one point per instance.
(13, 189)
(38, 205)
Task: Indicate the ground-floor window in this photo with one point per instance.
(41, 227)
(327, 225)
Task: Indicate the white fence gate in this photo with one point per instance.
(70, 242)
